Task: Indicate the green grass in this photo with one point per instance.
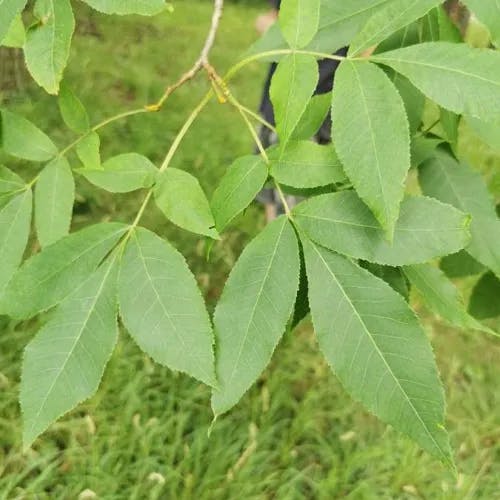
(296, 434)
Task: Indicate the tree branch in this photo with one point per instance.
(201, 62)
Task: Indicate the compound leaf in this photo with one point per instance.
(292, 87)
(47, 278)
(426, 229)
(442, 177)
(182, 200)
(48, 43)
(240, 185)
(260, 292)
(162, 307)
(15, 221)
(122, 173)
(54, 198)
(457, 77)
(377, 348)
(64, 363)
(124, 7)
(371, 136)
(72, 110)
(305, 164)
(299, 21)
(22, 139)
(389, 19)
(16, 34)
(489, 132)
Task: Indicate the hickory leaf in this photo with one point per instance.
(48, 277)
(457, 77)
(442, 177)
(489, 132)
(389, 19)
(15, 131)
(162, 307)
(260, 292)
(64, 363)
(48, 43)
(9, 9)
(240, 185)
(371, 136)
(54, 198)
(180, 197)
(15, 222)
(305, 164)
(122, 173)
(299, 21)
(426, 229)
(292, 87)
(377, 348)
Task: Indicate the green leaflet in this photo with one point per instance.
(64, 363)
(440, 295)
(489, 132)
(450, 122)
(292, 87)
(54, 198)
(253, 311)
(180, 197)
(423, 148)
(15, 221)
(409, 35)
(393, 276)
(305, 164)
(426, 229)
(445, 179)
(72, 110)
(313, 117)
(299, 21)
(124, 7)
(48, 43)
(9, 181)
(460, 264)
(162, 307)
(16, 34)
(457, 77)
(20, 138)
(488, 12)
(484, 302)
(339, 23)
(9, 9)
(88, 150)
(377, 348)
(47, 278)
(371, 136)
(389, 19)
(240, 185)
(122, 173)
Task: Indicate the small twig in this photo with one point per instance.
(202, 61)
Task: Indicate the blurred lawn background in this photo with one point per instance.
(296, 434)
